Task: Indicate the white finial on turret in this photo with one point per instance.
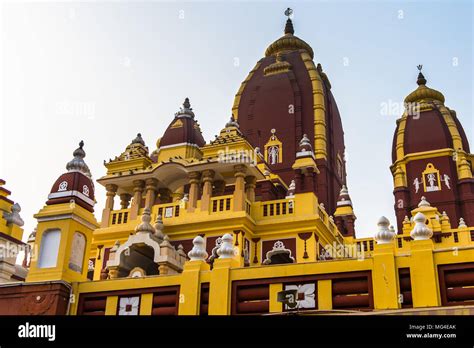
(384, 235)
(462, 223)
(420, 231)
(14, 217)
(145, 226)
(198, 252)
(159, 227)
(344, 190)
(424, 202)
(226, 250)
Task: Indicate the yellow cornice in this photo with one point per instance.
(461, 155)
(306, 162)
(66, 209)
(421, 155)
(123, 166)
(344, 210)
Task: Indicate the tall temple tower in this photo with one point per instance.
(431, 158)
(284, 97)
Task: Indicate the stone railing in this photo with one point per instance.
(221, 204)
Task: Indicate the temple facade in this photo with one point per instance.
(258, 220)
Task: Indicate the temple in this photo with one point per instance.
(258, 220)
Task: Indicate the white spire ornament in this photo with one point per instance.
(424, 202)
(344, 191)
(77, 163)
(198, 252)
(226, 250)
(421, 231)
(145, 226)
(462, 223)
(384, 235)
(159, 227)
(14, 217)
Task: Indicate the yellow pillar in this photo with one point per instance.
(193, 190)
(324, 294)
(111, 305)
(146, 304)
(207, 178)
(219, 294)
(250, 184)
(274, 305)
(239, 189)
(109, 204)
(138, 187)
(151, 188)
(190, 289)
(424, 278)
(385, 277)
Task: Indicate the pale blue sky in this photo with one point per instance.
(103, 71)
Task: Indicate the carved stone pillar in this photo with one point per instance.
(250, 184)
(207, 178)
(194, 178)
(138, 187)
(109, 204)
(239, 189)
(125, 200)
(151, 188)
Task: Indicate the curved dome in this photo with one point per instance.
(435, 127)
(76, 185)
(184, 129)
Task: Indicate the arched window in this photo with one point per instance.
(78, 247)
(49, 249)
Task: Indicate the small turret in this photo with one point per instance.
(344, 216)
(65, 225)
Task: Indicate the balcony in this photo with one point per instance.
(303, 207)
